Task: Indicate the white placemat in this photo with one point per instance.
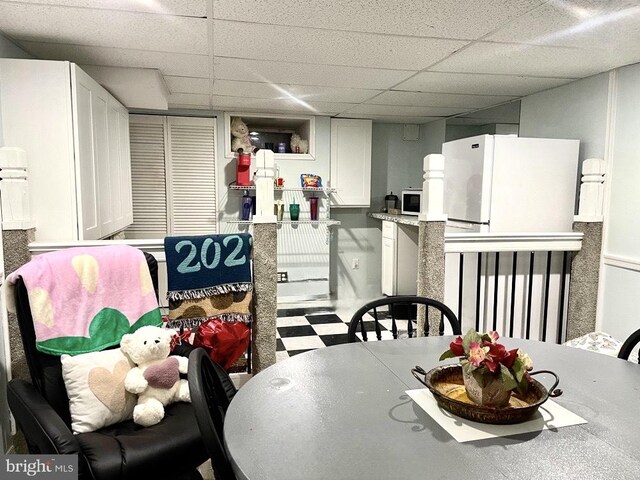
(549, 415)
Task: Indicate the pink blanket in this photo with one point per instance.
(84, 299)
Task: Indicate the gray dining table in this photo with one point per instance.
(342, 413)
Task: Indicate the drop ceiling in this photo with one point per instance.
(388, 60)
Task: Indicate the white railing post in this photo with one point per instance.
(16, 210)
(585, 264)
(431, 226)
(265, 172)
(591, 201)
(432, 208)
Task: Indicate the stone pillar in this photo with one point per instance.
(265, 267)
(431, 242)
(430, 272)
(585, 264)
(16, 253)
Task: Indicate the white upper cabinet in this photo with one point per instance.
(351, 162)
(76, 136)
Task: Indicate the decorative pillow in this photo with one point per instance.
(95, 386)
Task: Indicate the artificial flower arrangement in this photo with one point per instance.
(489, 362)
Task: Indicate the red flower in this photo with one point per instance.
(456, 347)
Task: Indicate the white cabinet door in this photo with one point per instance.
(86, 161)
(125, 169)
(119, 166)
(351, 162)
(99, 100)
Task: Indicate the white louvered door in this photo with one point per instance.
(191, 175)
(148, 180)
(173, 176)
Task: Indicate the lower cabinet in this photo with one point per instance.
(399, 259)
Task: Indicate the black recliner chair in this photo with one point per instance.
(172, 449)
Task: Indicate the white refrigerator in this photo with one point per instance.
(504, 183)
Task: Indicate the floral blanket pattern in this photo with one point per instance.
(600, 342)
(85, 299)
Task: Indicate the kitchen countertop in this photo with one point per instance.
(403, 219)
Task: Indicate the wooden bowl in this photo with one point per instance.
(447, 386)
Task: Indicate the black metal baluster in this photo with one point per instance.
(410, 321)
(495, 292)
(478, 291)
(529, 292)
(545, 313)
(562, 288)
(394, 327)
(460, 282)
(363, 330)
(513, 292)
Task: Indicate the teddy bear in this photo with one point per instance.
(299, 145)
(240, 133)
(156, 378)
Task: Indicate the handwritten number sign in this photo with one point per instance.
(210, 254)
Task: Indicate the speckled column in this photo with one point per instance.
(430, 272)
(265, 280)
(16, 254)
(583, 286)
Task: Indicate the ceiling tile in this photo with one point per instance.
(260, 104)
(442, 18)
(306, 74)
(579, 23)
(107, 28)
(529, 60)
(397, 110)
(391, 118)
(302, 92)
(191, 8)
(307, 45)
(189, 99)
(167, 63)
(418, 99)
(187, 84)
(479, 84)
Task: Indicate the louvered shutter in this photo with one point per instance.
(148, 180)
(191, 175)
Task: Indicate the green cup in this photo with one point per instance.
(294, 211)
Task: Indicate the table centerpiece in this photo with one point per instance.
(490, 371)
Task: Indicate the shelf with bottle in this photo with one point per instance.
(286, 189)
(328, 222)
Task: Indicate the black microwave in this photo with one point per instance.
(411, 201)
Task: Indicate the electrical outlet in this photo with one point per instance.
(355, 263)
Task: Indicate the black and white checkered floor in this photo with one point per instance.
(298, 333)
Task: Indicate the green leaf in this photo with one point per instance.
(508, 382)
(447, 354)
(470, 337)
(105, 330)
(485, 337)
(518, 369)
(152, 317)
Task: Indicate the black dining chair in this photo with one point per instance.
(628, 346)
(211, 393)
(394, 311)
